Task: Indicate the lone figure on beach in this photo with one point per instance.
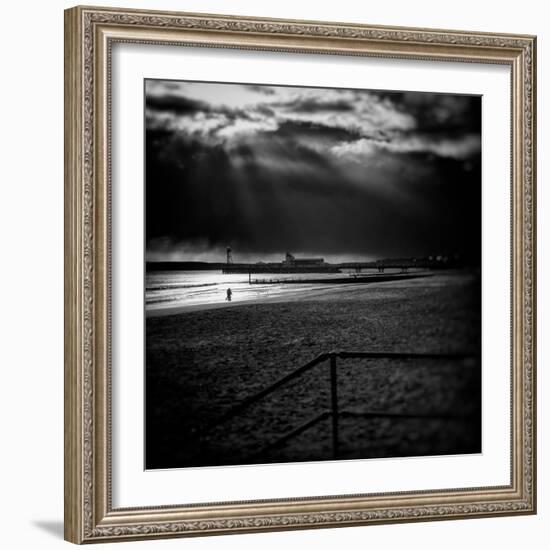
(229, 293)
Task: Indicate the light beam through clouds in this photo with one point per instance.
(347, 173)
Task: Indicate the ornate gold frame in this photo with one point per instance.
(89, 34)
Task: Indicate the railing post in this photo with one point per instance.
(334, 404)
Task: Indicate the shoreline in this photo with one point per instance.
(328, 291)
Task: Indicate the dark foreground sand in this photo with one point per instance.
(199, 364)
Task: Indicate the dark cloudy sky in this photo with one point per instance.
(332, 172)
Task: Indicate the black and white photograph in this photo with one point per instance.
(312, 276)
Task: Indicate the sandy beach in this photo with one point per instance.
(202, 362)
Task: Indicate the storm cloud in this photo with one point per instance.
(332, 172)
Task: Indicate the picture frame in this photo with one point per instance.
(90, 36)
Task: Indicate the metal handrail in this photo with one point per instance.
(270, 389)
(293, 433)
(334, 413)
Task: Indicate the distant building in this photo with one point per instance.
(291, 261)
(289, 265)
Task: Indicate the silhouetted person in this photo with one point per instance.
(229, 293)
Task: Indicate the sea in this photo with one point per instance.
(175, 289)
